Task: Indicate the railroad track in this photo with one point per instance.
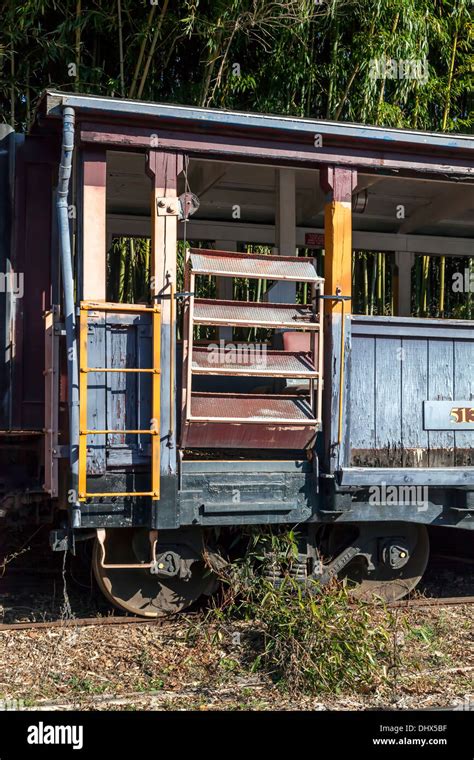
(100, 621)
(108, 621)
(441, 601)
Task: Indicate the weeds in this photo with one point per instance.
(308, 638)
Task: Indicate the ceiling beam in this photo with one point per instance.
(264, 234)
(314, 200)
(450, 204)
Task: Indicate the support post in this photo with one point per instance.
(93, 233)
(285, 232)
(163, 169)
(338, 184)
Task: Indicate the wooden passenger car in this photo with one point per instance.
(357, 427)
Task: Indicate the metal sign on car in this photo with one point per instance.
(448, 415)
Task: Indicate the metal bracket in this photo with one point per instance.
(325, 573)
(153, 538)
(169, 564)
(61, 451)
(176, 296)
(167, 206)
(65, 540)
(59, 540)
(337, 297)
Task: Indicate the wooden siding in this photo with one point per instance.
(396, 365)
(118, 401)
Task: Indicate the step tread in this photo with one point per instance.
(247, 407)
(255, 266)
(209, 311)
(217, 359)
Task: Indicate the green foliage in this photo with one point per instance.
(295, 57)
(128, 270)
(311, 638)
(427, 287)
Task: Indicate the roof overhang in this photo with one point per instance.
(234, 135)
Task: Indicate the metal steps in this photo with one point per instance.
(214, 419)
(208, 311)
(254, 266)
(251, 408)
(242, 420)
(230, 360)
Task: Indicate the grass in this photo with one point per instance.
(308, 639)
(425, 633)
(87, 686)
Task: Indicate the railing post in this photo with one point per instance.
(338, 184)
(163, 169)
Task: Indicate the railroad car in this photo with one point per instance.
(185, 354)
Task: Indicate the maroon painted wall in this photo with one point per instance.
(36, 170)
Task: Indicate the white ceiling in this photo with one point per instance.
(430, 207)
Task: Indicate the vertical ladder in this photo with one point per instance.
(252, 420)
(154, 431)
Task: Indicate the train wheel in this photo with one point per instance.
(393, 560)
(140, 592)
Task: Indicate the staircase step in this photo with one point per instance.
(251, 408)
(249, 421)
(208, 311)
(234, 360)
(254, 266)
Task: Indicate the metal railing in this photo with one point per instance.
(85, 370)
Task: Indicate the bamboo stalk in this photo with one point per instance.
(120, 31)
(469, 294)
(211, 62)
(354, 280)
(424, 292)
(334, 53)
(366, 283)
(152, 49)
(383, 79)
(223, 62)
(417, 267)
(392, 285)
(78, 44)
(12, 86)
(28, 98)
(346, 92)
(121, 272)
(373, 285)
(382, 262)
(379, 283)
(447, 102)
(352, 77)
(142, 52)
(442, 278)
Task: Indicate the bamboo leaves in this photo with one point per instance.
(292, 56)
